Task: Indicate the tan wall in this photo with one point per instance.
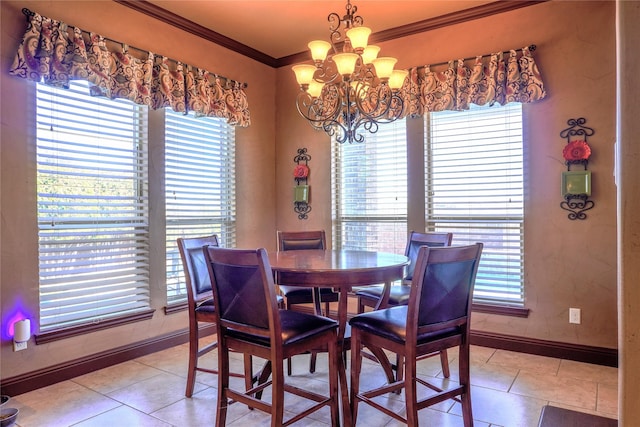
(628, 206)
(567, 263)
(19, 256)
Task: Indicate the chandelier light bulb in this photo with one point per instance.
(358, 36)
(370, 53)
(396, 81)
(319, 50)
(304, 73)
(346, 63)
(384, 67)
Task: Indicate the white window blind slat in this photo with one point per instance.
(474, 188)
(199, 187)
(92, 207)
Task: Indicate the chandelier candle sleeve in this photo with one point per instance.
(384, 67)
(370, 53)
(304, 74)
(349, 90)
(359, 36)
(319, 50)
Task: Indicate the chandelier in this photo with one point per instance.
(349, 90)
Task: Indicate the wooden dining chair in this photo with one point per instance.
(437, 317)
(248, 320)
(370, 296)
(374, 296)
(199, 303)
(301, 240)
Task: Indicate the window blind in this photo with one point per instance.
(369, 186)
(92, 207)
(199, 187)
(474, 188)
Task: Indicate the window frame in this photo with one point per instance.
(62, 154)
(188, 142)
(511, 138)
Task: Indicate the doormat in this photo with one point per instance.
(558, 417)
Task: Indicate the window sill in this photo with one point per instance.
(176, 307)
(60, 334)
(500, 310)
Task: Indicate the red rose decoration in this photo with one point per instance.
(576, 150)
(301, 171)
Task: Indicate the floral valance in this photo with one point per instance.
(55, 53)
(490, 79)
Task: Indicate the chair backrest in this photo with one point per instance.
(298, 240)
(243, 291)
(195, 269)
(442, 288)
(416, 240)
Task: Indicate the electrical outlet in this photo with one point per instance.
(574, 315)
(17, 346)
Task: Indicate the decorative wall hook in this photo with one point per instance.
(301, 190)
(576, 185)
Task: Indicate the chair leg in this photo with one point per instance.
(444, 361)
(277, 395)
(400, 367)
(248, 373)
(410, 390)
(289, 364)
(223, 384)
(334, 354)
(465, 380)
(193, 360)
(356, 367)
(312, 361)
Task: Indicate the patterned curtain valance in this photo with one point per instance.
(55, 53)
(490, 79)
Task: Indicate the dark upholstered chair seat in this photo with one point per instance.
(295, 326)
(391, 323)
(398, 295)
(205, 302)
(296, 292)
(205, 309)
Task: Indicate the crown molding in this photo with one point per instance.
(177, 21)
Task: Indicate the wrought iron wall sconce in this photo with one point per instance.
(301, 190)
(576, 185)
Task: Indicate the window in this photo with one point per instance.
(474, 188)
(92, 207)
(370, 191)
(199, 187)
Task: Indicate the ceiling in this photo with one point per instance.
(279, 29)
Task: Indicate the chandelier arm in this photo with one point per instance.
(318, 110)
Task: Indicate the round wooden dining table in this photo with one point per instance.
(340, 270)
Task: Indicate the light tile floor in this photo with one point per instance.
(508, 389)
